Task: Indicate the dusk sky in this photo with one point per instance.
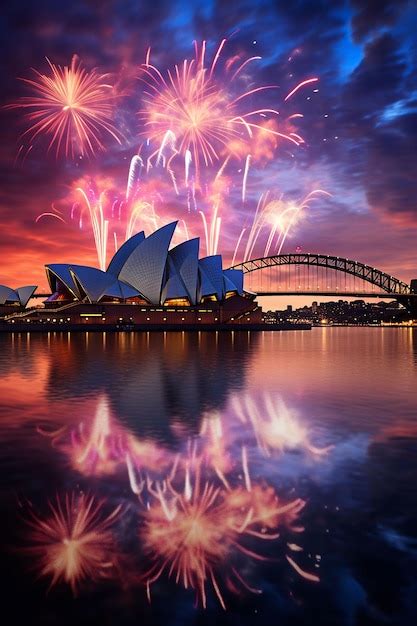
(359, 125)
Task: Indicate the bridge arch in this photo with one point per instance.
(384, 281)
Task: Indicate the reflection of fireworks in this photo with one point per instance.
(202, 117)
(196, 534)
(214, 448)
(100, 446)
(74, 544)
(95, 447)
(275, 427)
(199, 522)
(71, 106)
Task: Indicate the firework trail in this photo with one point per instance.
(70, 106)
(112, 213)
(277, 217)
(99, 223)
(110, 210)
(55, 213)
(74, 543)
(135, 169)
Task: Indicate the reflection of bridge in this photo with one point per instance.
(318, 274)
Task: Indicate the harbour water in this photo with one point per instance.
(200, 478)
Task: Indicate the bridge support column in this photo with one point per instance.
(410, 303)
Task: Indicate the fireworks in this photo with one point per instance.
(199, 114)
(70, 106)
(74, 543)
(205, 118)
(277, 217)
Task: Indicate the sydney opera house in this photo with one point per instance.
(146, 282)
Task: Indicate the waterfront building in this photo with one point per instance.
(13, 300)
(147, 282)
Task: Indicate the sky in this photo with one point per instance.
(359, 127)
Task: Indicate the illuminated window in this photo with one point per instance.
(177, 301)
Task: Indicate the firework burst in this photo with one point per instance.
(74, 543)
(72, 107)
(205, 118)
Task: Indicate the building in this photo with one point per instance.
(14, 300)
(147, 283)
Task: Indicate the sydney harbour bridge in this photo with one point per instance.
(324, 275)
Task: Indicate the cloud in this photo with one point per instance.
(391, 171)
(371, 16)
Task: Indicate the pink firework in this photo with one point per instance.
(71, 106)
(206, 118)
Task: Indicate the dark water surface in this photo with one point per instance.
(209, 478)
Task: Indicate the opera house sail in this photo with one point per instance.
(146, 282)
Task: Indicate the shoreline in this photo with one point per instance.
(64, 327)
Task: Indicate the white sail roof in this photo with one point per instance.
(144, 268)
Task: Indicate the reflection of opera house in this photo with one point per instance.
(148, 283)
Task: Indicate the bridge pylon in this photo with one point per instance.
(410, 303)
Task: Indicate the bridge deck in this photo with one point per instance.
(382, 295)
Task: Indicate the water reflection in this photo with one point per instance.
(199, 509)
(149, 375)
(73, 543)
(173, 476)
